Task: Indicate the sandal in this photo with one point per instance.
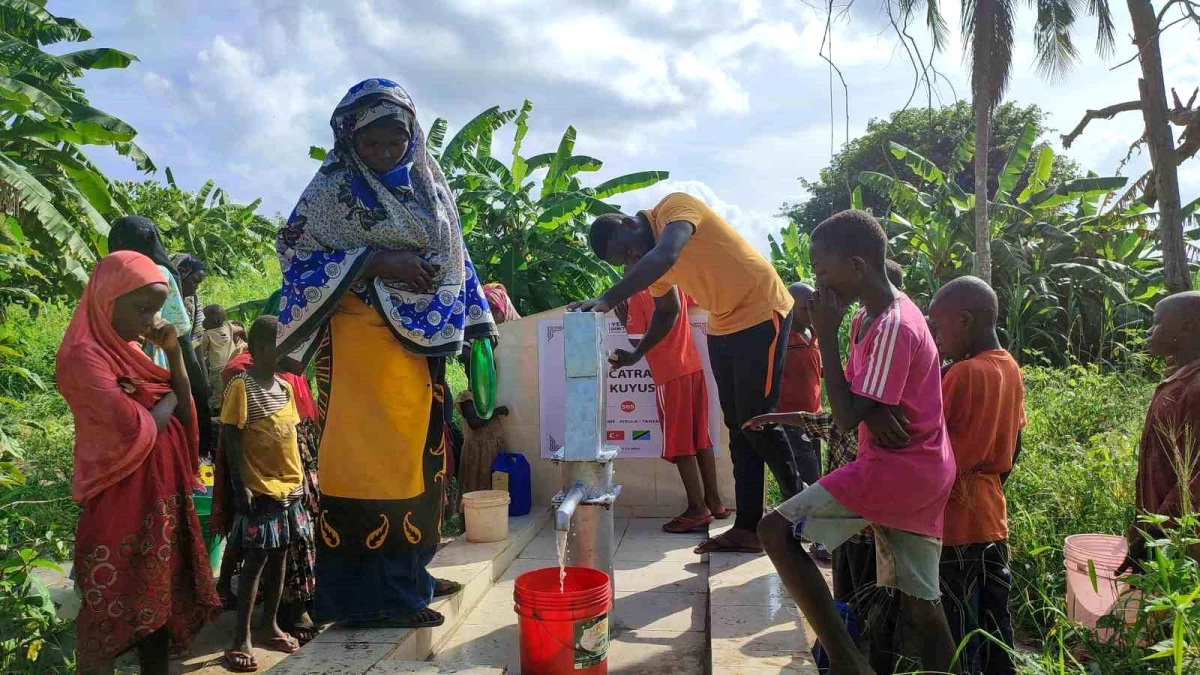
(723, 515)
(443, 588)
(282, 643)
(303, 634)
(240, 662)
(721, 544)
(682, 525)
(425, 618)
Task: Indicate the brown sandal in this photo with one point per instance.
(721, 544)
(682, 525)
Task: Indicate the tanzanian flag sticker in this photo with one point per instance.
(641, 434)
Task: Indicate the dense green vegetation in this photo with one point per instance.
(933, 132)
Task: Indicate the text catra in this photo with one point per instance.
(630, 374)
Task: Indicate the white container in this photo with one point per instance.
(486, 513)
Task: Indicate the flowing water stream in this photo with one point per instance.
(562, 558)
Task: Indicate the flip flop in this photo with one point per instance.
(432, 620)
(681, 525)
(231, 656)
(303, 634)
(721, 544)
(283, 643)
(724, 515)
(448, 588)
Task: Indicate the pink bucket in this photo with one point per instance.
(1085, 603)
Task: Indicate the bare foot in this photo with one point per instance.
(733, 540)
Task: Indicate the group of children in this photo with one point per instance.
(911, 499)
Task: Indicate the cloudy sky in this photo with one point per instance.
(730, 96)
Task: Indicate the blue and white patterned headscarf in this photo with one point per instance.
(347, 212)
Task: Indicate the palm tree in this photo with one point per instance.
(987, 26)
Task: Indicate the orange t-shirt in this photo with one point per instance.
(984, 401)
(737, 286)
(675, 356)
(800, 387)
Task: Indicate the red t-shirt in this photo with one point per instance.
(675, 356)
(800, 388)
(1172, 425)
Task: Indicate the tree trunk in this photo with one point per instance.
(1161, 143)
(983, 232)
(984, 94)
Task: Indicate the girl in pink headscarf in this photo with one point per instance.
(140, 560)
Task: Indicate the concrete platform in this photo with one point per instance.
(676, 612)
(659, 623)
(755, 627)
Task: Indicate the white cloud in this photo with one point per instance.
(754, 226)
(157, 83)
(723, 93)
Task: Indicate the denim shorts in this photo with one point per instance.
(903, 560)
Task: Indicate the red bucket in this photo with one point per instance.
(563, 631)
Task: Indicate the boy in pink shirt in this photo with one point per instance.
(890, 391)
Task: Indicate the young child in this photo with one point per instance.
(682, 397)
(982, 377)
(890, 391)
(481, 439)
(482, 442)
(259, 419)
(800, 388)
(1171, 438)
(217, 345)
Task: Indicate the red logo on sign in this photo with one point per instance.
(615, 435)
(628, 406)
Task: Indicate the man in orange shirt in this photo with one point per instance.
(682, 242)
(984, 400)
(682, 397)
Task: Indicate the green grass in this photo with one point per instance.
(1075, 475)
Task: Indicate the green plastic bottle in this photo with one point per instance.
(482, 373)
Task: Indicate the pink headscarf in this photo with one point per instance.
(500, 304)
(110, 384)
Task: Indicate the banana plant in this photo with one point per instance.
(228, 237)
(526, 220)
(1075, 264)
(54, 201)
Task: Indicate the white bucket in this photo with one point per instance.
(486, 512)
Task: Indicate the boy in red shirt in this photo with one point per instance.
(1171, 437)
(800, 388)
(682, 410)
(983, 395)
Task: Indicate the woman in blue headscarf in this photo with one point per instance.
(378, 287)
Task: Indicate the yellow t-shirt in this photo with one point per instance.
(724, 274)
(270, 463)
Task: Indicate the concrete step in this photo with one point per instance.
(343, 651)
